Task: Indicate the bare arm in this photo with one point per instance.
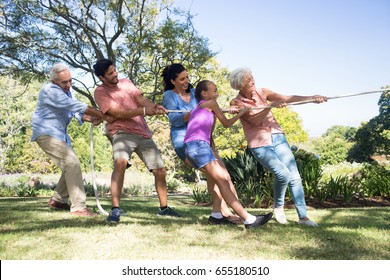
(147, 108)
(278, 100)
(255, 118)
(213, 106)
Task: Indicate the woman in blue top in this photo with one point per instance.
(180, 95)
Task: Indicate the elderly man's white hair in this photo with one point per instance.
(237, 77)
(57, 68)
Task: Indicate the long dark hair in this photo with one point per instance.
(171, 72)
(201, 86)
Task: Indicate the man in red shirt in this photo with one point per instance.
(130, 133)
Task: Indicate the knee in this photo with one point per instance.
(120, 164)
(72, 164)
(283, 176)
(159, 172)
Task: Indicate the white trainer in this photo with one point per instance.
(307, 222)
(280, 216)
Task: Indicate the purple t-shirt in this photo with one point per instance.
(200, 124)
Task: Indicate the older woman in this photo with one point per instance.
(180, 95)
(267, 141)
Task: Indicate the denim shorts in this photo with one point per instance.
(199, 153)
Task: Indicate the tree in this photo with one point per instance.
(291, 124)
(140, 36)
(333, 146)
(373, 137)
(15, 115)
(345, 132)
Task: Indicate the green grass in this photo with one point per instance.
(30, 231)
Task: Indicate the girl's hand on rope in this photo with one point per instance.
(243, 110)
(234, 110)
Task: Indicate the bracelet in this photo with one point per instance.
(144, 111)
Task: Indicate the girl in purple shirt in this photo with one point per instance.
(198, 151)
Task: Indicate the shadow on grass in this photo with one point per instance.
(33, 214)
(348, 234)
(343, 234)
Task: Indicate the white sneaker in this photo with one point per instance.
(308, 222)
(280, 216)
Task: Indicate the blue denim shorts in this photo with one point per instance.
(199, 153)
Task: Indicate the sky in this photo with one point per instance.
(305, 47)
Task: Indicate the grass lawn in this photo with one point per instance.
(31, 231)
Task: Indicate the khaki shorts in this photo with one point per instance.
(124, 144)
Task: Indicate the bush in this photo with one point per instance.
(310, 169)
(201, 195)
(252, 182)
(375, 180)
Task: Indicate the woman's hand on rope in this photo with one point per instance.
(319, 98)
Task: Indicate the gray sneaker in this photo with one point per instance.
(168, 212)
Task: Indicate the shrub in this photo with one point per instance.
(201, 195)
(375, 180)
(310, 170)
(250, 179)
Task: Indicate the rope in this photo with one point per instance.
(298, 102)
(102, 211)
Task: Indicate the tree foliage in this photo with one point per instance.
(373, 137)
(140, 36)
(333, 146)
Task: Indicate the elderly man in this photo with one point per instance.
(55, 109)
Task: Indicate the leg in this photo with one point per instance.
(151, 156)
(64, 157)
(283, 151)
(219, 205)
(215, 171)
(200, 155)
(161, 185)
(269, 159)
(61, 191)
(117, 178)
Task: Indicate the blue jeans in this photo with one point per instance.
(279, 159)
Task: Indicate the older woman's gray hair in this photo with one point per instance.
(57, 68)
(237, 77)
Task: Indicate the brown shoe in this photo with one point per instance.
(58, 205)
(86, 212)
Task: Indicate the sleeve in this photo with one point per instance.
(79, 118)
(103, 100)
(56, 97)
(169, 102)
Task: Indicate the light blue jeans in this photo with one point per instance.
(279, 159)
